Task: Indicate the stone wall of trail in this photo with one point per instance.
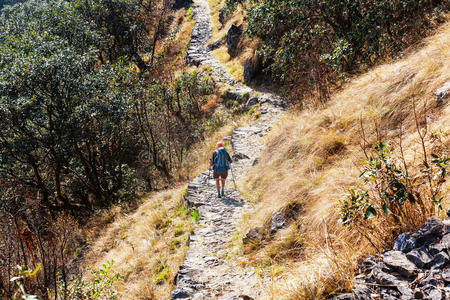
(208, 271)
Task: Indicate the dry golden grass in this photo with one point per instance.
(147, 246)
(311, 157)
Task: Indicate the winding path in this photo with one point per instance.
(209, 271)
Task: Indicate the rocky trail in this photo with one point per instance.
(208, 271)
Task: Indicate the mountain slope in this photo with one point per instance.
(312, 157)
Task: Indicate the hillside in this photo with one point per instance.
(309, 161)
(312, 158)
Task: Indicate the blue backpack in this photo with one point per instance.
(222, 164)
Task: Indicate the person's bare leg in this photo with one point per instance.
(218, 186)
(223, 186)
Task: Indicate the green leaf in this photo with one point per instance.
(370, 212)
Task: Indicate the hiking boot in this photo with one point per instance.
(223, 192)
(220, 196)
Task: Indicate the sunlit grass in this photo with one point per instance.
(311, 157)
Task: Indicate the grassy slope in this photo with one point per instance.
(312, 157)
(148, 244)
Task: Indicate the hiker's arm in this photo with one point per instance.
(229, 158)
(212, 160)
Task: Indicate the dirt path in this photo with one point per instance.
(209, 271)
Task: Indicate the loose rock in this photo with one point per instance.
(420, 256)
(424, 253)
(398, 261)
(404, 242)
(278, 222)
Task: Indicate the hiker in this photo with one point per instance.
(220, 163)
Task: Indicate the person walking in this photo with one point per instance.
(220, 164)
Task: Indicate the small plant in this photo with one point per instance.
(162, 271)
(189, 13)
(195, 216)
(174, 244)
(161, 276)
(182, 211)
(24, 274)
(178, 231)
(101, 287)
(392, 186)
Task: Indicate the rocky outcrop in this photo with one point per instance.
(222, 13)
(233, 37)
(442, 93)
(252, 67)
(178, 4)
(418, 267)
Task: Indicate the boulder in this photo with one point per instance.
(446, 274)
(429, 282)
(405, 291)
(361, 289)
(390, 275)
(382, 277)
(233, 37)
(418, 294)
(435, 294)
(238, 156)
(442, 93)
(404, 242)
(398, 261)
(389, 294)
(430, 231)
(369, 264)
(252, 67)
(420, 256)
(443, 244)
(252, 101)
(344, 297)
(253, 236)
(278, 222)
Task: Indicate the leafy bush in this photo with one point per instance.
(101, 287)
(394, 192)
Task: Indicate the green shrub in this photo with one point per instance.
(101, 287)
(308, 42)
(394, 192)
